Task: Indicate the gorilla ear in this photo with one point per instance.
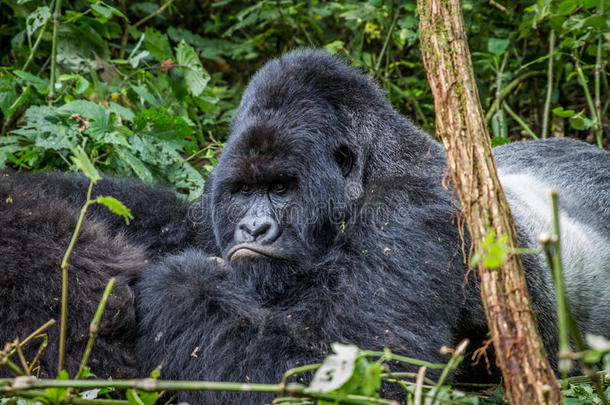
(345, 159)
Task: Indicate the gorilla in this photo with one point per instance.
(326, 220)
(38, 214)
(330, 223)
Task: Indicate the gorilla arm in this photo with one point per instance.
(199, 321)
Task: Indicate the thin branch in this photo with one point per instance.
(64, 278)
(419, 384)
(94, 328)
(56, 15)
(404, 359)
(71, 400)
(596, 120)
(299, 370)
(519, 120)
(385, 43)
(456, 358)
(549, 86)
(36, 44)
(34, 334)
(506, 91)
(598, 68)
(24, 362)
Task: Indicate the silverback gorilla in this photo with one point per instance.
(324, 221)
(328, 210)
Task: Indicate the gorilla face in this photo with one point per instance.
(266, 196)
(280, 191)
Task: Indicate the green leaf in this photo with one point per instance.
(123, 112)
(195, 75)
(57, 395)
(21, 100)
(156, 373)
(371, 380)
(598, 22)
(567, 6)
(134, 60)
(45, 129)
(8, 144)
(580, 123)
(497, 46)
(136, 165)
(87, 109)
(598, 342)
(560, 112)
(157, 44)
(82, 85)
(336, 369)
(37, 19)
(41, 85)
(98, 116)
(496, 397)
(84, 164)
(105, 12)
(495, 141)
(115, 206)
(493, 250)
(143, 398)
(144, 94)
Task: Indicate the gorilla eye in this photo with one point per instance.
(245, 189)
(279, 188)
(345, 159)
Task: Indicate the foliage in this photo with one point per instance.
(133, 88)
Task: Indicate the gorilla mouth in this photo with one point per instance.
(253, 251)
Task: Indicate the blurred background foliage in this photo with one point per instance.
(148, 89)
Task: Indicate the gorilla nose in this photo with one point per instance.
(262, 229)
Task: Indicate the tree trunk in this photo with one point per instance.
(460, 124)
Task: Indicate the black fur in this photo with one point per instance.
(38, 214)
(369, 248)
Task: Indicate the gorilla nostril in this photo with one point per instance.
(261, 229)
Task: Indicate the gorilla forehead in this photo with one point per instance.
(308, 91)
(263, 154)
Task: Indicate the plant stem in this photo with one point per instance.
(56, 15)
(456, 358)
(70, 400)
(10, 366)
(33, 335)
(596, 120)
(413, 101)
(506, 91)
(565, 362)
(598, 67)
(151, 385)
(519, 120)
(64, 277)
(385, 43)
(392, 356)
(36, 44)
(299, 370)
(501, 120)
(549, 86)
(94, 328)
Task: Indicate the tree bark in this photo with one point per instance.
(460, 125)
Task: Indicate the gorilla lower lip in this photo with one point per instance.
(251, 251)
